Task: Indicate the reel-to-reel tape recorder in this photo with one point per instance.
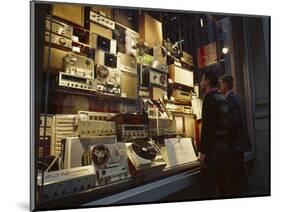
(110, 162)
(107, 73)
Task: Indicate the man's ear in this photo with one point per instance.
(207, 82)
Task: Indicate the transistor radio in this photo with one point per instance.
(79, 65)
(77, 82)
(102, 20)
(59, 27)
(58, 40)
(110, 162)
(100, 42)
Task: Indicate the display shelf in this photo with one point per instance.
(131, 190)
(92, 94)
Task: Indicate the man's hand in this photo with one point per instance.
(201, 159)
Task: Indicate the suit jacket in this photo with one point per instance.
(214, 135)
(239, 140)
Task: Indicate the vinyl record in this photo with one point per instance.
(144, 150)
(100, 155)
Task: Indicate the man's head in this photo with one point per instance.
(209, 80)
(226, 83)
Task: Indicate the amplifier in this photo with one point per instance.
(58, 184)
(58, 40)
(108, 79)
(182, 96)
(65, 125)
(171, 107)
(98, 116)
(106, 59)
(126, 132)
(79, 65)
(77, 82)
(159, 127)
(129, 119)
(58, 27)
(56, 58)
(92, 128)
(100, 42)
(71, 12)
(127, 63)
(160, 54)
(181, 76)
(102, 20)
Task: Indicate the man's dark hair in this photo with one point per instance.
(212, 77)
(228, 79)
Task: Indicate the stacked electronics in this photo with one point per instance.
(99, 148)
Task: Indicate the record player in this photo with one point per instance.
(110, 162)
(144, 156)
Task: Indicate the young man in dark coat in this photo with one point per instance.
(239, 142)
(214, 147)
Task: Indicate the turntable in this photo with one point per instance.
(145, 156)
(110, 162)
